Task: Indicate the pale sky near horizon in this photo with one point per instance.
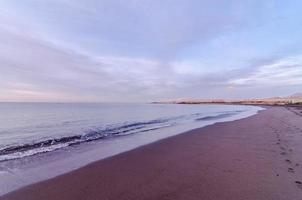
(148, 50)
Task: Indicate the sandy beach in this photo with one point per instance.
(257, 158)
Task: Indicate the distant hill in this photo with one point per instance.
(295, 99)
(295, 96)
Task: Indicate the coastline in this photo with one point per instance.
(251, 158)
(15, 174)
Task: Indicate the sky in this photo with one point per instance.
(149, 50)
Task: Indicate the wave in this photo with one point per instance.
(48, 145)
(215, 117)
(23, 150)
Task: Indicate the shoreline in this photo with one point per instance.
(40, 167)
(207, 163)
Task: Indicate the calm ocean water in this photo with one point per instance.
(74, 134)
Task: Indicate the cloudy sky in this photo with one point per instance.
(146, 50)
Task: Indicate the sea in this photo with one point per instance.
(39, 141)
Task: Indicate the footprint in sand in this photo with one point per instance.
(288, 161)
(291, 170)
(299, 184)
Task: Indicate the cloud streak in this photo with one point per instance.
(143, 50)
(286, 71)
(146, 28)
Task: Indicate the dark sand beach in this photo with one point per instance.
(257, 158)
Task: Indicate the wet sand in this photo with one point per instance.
(257, 158)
